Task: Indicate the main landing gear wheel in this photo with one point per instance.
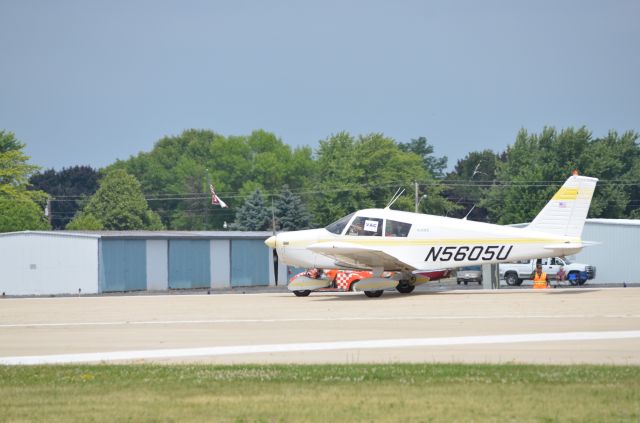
(405, 288)
(373, 294)
(304, 293)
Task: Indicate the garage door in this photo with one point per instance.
(249, 262)
(123, 265)
(189, 264)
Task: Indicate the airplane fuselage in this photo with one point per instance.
(424, 242)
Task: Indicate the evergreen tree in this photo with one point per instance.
(291, 214)
(254, 215)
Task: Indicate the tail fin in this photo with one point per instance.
(567, 211)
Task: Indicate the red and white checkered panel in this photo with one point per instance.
(343, 280)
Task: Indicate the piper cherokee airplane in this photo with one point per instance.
(406, 243)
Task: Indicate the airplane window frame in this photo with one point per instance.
(401, 229)
(356, 228)
(340, 224)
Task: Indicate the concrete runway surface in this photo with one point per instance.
(525, 326)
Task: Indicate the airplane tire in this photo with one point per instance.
(405, 288)
(373, 294)
(304, 293)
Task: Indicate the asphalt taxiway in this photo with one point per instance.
(600, 326)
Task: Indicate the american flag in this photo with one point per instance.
(216, 200)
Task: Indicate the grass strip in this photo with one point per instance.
(274, 393)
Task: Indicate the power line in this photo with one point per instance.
(439, 183)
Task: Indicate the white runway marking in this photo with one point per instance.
(322, 319)
(315, 346)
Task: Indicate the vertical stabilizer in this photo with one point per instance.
(567, 211)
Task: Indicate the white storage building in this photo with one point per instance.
(64, 262)
(617, 250)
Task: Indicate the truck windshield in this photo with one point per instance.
(471, 268)
(338, 226)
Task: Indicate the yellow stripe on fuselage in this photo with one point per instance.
(392, 241)
(566, 194)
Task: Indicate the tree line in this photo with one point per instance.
(267, 183)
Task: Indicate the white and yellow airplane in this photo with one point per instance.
(406, 243)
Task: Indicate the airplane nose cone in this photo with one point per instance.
(271, 242)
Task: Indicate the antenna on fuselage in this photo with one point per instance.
(395, 197)
(465, 218)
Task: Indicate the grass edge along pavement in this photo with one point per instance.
(361, 392)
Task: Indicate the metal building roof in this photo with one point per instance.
(148, 234)
(631, 222)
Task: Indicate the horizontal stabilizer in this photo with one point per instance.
(566, 246)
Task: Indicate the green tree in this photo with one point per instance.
(356, 173)
(179, 168)
(69, 189)
(290, 212)
(436, 166)
(85, 222)
(537, 164)
(20, 214)
(20, 209)
(118, 204)
(254, 215)
(469, 182)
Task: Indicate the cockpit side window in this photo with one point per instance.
(365, 226)
(395, 228)
(338, 226)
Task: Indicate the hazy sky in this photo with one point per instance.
(88, 82)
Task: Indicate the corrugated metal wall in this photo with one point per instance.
(47, 264)
(250, 262)
(189, 263)
(123, 265)
(616, 256)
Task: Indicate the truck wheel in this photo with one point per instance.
(304, 293)
(373, 294)
(405, 288)
(575, 281)
(511, 279)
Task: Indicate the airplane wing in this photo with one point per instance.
(358, 257)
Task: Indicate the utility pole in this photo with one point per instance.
(415, 183)
(273, 216)
(47, 210)
(206, 210)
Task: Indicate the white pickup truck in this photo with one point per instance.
(576, 273)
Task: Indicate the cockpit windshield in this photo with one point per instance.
(338, 226)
